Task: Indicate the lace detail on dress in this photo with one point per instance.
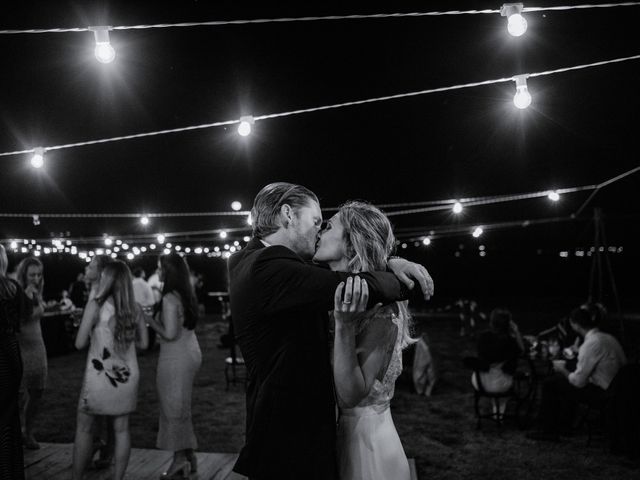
(382, 391)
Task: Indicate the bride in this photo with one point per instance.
(367, 357)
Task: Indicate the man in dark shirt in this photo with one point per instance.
(280, 304)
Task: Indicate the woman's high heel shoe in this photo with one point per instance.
(182, 471)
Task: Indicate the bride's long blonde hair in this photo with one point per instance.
(369, 240)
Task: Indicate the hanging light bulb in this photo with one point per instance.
(426, 241)
(160, 238)
(14, 245)
(516, 23)
(522, 98)
(37, 161)
(244, 128)
(457, 207)
(554, 196)
(36, 220)
(236, 206)
(108, 241)
(477, 232)
(144, 220)
(223, 234)
(104, 51)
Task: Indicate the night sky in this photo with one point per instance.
(580, 129)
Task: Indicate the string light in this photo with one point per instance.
(457, 207)
(130, 256)
(37, 161)
(522, 98)
(236, 206)
(36, 220)
(246, 238)
(14, 244)
(144, 220)
(554, 196)
(516, 23)
(223, 234)
(244, 129)
(108, 241)
(160, 238)
(477, 232)
(104, 51)
(426, 241)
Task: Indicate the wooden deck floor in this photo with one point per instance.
(53, 462)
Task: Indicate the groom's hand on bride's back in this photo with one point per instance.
(409, 273)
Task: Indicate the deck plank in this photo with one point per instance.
(53, 462)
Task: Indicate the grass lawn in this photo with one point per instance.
(439, 432)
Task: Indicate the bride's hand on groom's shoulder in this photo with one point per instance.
(350, 302)
(406, 271)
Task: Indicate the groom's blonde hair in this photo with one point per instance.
(266, 206)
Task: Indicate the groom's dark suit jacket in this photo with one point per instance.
(279, 306)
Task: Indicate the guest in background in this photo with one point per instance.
(599, 359)
(34, 354)
(156, 286)
(113, 324)
(15, 307)
(499, 348)
(142, 291)
(179, 360)
(65, 302)
(102, 425)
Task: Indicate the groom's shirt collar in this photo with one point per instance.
(265, 243)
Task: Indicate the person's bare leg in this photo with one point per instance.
(83, 444)
(122, 448)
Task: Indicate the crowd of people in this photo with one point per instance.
(322, 347)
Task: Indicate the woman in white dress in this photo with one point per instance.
(367, 357)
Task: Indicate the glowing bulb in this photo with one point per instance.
(244, 128)
(108, 242)
(37, 161)
(457, 207)
(166, 251)
(516, 23)
(104, 51)
(236, 206)
(554, 196)
(144, 220)
(14, 244)
(246, 238)
(426, 241)
(114, 255)
(522, 98)
(152, 246)
(130, 256)
(198, 250)
(160, 238)
(477, 232)
(223, 234)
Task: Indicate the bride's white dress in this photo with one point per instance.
(368, 444)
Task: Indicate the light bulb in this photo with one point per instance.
(37, 161)
(554, 196)
(236, 206)
(104, 51)
(223, 234)
(457, 207)
(160, 238)
(144, 220)
(516, 25)
(522, 98)
(14, 245)
(108, 242)
(426, 241)
(244, 128)
(477, 232)
(130, 256)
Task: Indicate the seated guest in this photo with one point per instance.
(599, 359)
(498, 349)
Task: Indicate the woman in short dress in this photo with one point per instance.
(34, 354)
(179, 361)
(113, 324)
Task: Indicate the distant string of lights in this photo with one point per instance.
(522, 99)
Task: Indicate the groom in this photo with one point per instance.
(280, 303)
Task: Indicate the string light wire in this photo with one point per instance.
(217, 23)
(325, 107)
